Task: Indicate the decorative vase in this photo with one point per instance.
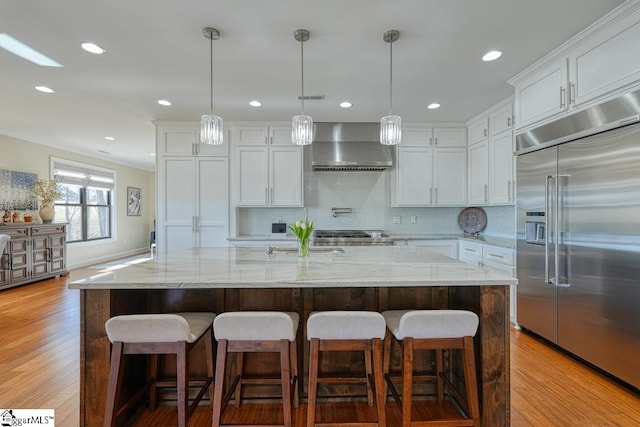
(303, 247)
(46, 214)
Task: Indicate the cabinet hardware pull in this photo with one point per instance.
(435, 141)
(510, 185)
(436, 194)
(485, 131)
(266, 140)
(430, 140)
(271, 195)
(486, 193)
(508, 122)
(572, 93)
(562, 91)
(496, 256)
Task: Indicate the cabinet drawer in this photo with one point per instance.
(498, 255)
(15, 232)
(47, 230)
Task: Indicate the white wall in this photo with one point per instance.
(368, 194)
(131, 232)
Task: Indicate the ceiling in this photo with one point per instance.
(155, 50)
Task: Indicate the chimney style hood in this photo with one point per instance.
(349, 147)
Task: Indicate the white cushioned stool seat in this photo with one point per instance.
(139, 328)
(431, 323)
(345, 325)
(256, 326)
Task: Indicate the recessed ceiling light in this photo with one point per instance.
(93, 48)
(346, 104)
(20, 49)
(433, 106)
(45, 89)
(109, 138)
(255, 103)
(164, 102)
(492, 55)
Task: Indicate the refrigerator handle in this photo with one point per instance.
(546, 228)
(557, 282)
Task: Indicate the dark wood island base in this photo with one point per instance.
(490, 302)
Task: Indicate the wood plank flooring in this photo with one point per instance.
(39, 368)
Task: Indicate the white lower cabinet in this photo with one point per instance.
(493, 258)
(446, 247)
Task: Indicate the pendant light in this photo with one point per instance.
(302, 125)
(211, 126)
(391, 125)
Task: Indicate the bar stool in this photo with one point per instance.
(256, 331)
(433, 330)
(347, 331)
(155, 334)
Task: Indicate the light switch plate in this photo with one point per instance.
(414, 219)
(397, 219)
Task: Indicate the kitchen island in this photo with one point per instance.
(357, 278)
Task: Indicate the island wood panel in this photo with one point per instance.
(491, 342)
(488, 301)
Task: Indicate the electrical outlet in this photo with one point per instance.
(397, 219)
(414, 219)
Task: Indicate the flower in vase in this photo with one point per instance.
(302, 229)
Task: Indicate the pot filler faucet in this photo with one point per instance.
(336, 211)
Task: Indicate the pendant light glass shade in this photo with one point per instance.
(390, 130)
(302, 130)
(211, 126)
(302, 125)
(391, 125)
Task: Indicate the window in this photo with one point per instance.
(86, 202)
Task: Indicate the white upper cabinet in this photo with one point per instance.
(478, 130)
(183, 139)
(491, 159)
(611, 60)
(596, 65)
(542, 96)
(479, 173)
(430, 168)
(267, 167)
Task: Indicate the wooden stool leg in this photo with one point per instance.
(379, 382)
(221, 359)
(314, 354)
(208, 345)
(153, 388)
(368, 375)
(285, 374)
(388, 338)
(407, 380)
(115, 380)
(239, 370)
(439, 369)
(182, 372)
(470, 380)
(293, 351)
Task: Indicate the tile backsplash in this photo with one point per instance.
(368, 194)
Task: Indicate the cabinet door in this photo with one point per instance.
(478, 173)
(609, 62)
(280, 135)
(449, 137)
(443, 247)
(542, 96)
(214, 150)
(251, 185)
(19, 250)
(212, 213)
(416, 137)
(251, 135)
(478, 131)
(285, 176)
(177, 202)
(176, 141)
(414, 176)
(40, 255)
(501, 182)
(450, 178)
(58, 245)
(471, 253)
(501, 120)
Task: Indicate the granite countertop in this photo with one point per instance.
(242, 267)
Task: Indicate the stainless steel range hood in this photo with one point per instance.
(349, 147)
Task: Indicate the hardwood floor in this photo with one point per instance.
(39, 368)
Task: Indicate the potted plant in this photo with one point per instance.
(47, 192)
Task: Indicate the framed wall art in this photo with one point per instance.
(134, 201)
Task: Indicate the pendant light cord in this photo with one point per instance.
(302, 70)
(211, 71)
(390, 75)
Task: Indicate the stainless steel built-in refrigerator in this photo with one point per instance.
(578, 239)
